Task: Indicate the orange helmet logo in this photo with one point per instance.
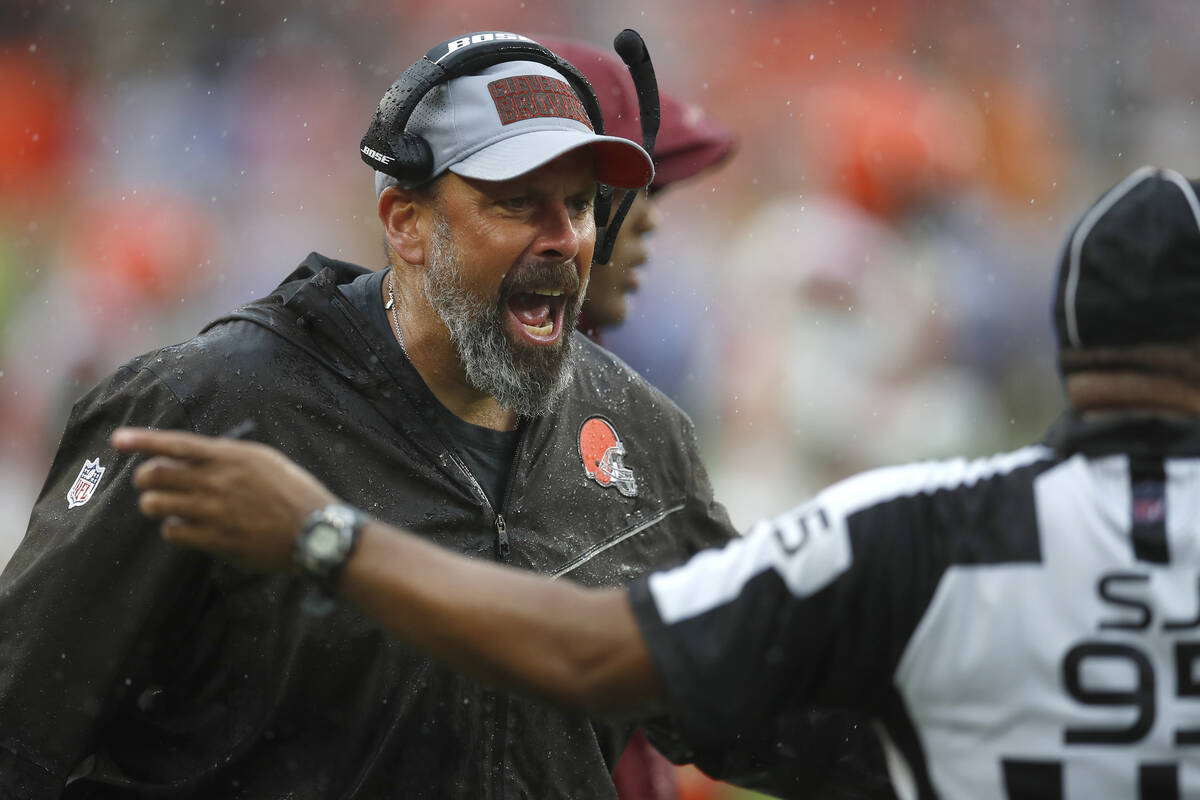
(604, 456)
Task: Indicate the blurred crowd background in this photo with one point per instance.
(865, 282)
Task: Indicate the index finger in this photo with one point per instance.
(177, 444)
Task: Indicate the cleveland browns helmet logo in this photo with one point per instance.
(604, 456)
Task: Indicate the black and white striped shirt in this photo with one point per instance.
(1022, 626)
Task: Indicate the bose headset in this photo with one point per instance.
(388, 148)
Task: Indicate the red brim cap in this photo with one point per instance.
(689, 142)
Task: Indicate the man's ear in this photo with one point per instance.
(405, 217)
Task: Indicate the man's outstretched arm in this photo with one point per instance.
(246, 502)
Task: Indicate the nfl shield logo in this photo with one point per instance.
(85, 484)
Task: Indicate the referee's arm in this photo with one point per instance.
(245, 502)
(577, 647)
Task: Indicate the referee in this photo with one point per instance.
(1022, 626)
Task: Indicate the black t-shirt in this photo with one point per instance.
(488, 453)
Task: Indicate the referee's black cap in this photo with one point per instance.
(1130, 269)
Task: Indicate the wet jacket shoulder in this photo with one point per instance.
(88, 582)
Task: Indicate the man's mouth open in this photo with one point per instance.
(538, 315)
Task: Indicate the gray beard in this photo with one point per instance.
(524, 379)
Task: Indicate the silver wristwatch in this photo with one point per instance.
(325, 543)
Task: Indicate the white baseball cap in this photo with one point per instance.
(512, 118)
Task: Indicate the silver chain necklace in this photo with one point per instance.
(390, 305)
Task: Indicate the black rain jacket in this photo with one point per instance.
(131, 668)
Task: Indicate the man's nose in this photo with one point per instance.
(559, 232)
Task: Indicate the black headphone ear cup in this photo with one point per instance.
(414, 158)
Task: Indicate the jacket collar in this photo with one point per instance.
(309, 311)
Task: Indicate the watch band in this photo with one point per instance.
(325, 543)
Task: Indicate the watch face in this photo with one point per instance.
(323, 542)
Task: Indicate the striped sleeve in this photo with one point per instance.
(815, 606)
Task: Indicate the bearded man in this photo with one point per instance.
(446, 394)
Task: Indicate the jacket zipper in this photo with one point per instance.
(598, 549)
(502, 536)
(497, 520)
(500, 710)
(502, 545)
